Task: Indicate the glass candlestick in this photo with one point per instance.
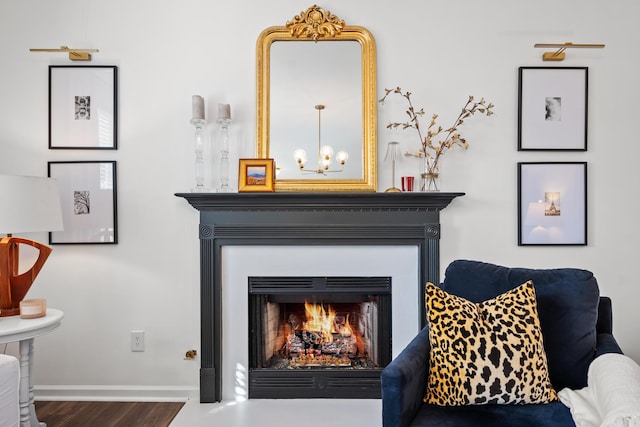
(199, 150)
(224, 123)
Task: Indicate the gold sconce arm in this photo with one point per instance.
(559, 54)
(74, 54)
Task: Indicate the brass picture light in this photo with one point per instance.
(74, 54)
(559, 54)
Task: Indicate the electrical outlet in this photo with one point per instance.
(137, 340)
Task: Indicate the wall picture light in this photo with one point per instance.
(558, 55)
(74, 54)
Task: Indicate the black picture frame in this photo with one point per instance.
(552, 108)
(83, 107)
(88, 195)
(552, 203)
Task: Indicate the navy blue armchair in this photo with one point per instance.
(576, 325)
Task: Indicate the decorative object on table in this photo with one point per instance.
(393, 154)
(198, 121)
(224, 121)
(407, 183)
(324, 152)
(552, 203)
(88, 195)
(552, 108)
(559, 54)
(430, 151)
(31, 204)
(83, 107)
(74, 53)
(33, 308)
(256, 175)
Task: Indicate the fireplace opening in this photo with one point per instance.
(327, 337)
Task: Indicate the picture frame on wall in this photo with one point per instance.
(89, 205)
(552, 203)
(256, 175)
(83, 107)
(552, 108)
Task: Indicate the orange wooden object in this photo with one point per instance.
(14, 286)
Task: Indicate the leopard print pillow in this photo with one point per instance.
(491, 352)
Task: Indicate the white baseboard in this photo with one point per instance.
(115, 393)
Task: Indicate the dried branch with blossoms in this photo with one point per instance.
(447, 138)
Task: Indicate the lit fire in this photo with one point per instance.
(324, 338)
(324, 321)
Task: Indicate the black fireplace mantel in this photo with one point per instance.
(304, 219)
(312, 201)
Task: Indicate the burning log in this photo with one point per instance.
(322, 360)
(323, 338)
(307, 348)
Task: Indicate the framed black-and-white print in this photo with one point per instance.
(552, 108)
(83, 107)
(88, 199)
(552, 203)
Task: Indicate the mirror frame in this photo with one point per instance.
(320, 25)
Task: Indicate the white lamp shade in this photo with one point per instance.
(29, 204)
(393, 150)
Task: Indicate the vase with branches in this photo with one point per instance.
(435, 140)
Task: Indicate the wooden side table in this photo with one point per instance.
(24, 331)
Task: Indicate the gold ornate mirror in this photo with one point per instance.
(316, 86)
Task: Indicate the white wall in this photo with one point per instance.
(440, 50)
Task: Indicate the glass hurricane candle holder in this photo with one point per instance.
(224, 123)
(199, 125)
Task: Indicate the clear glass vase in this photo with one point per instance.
(429, 175)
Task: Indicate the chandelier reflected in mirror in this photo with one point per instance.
(325, 154)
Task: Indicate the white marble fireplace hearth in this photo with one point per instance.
(282, 412)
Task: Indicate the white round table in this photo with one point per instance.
(16, 329)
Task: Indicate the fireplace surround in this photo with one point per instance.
(304, 219)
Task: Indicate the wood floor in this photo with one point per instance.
(107, 414)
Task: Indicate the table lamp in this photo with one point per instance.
(30, 204)
(393, 154)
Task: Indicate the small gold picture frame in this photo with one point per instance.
(256, 175)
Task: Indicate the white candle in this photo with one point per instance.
(224, 111)
(32, 308)
(197, 107)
